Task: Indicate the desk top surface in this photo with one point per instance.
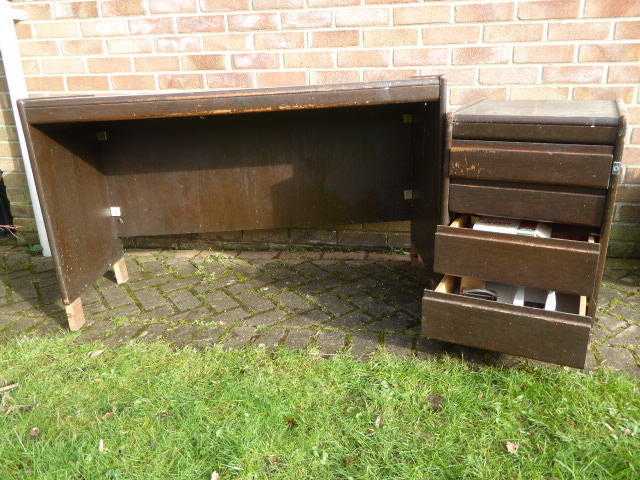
(596, 113)
(89, 108)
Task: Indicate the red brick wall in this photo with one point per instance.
(555, 49)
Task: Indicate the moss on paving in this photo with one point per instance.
(146, 411)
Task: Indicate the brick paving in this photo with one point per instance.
(324, 301)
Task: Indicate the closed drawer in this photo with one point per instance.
(556, 337)
(549, 263)
(543, 163)
(575, 206)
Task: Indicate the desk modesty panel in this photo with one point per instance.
(234, 160)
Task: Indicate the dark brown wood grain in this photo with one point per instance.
(543, 163)
(553, 264)
(520, 202)
(529, 332)
(75, 203)
(537, 132)
(130, 107)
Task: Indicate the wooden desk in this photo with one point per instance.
(224, 161)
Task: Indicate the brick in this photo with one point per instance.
(635, 135)
(156, 64)
(203, 62)
(133, 82)
(130, 45)
(230, 41)
(572, 74)
(436, 35)
(104, 28)
(454, 75)
(38, 48)
(508, 75)
(543, 54)
(474, 55)
(229, 80)
(150, 26)
(627, 213)
(76, 9)
(390, 37)
(624, 74)
(87, 83)
(513, 33)
(263, 21)
(59, 29)
(633, 114)
(610, 53)
(280, 79)
(335, 38)
(112, 8)
(484, 12)
(463, 95)
(172, 6)
(386, 75)
(310, 60)
(62, 65)
(419, 15)
(420, 56)
(45, 84)
(545, 10)
(23, 31)
(180, 81)
(632, 177)
(275, 41)
(627, 30)
(612, 8)
(82, 47)
(363, 58)
(631, 156)
(201, 23)
(277, 4)
(306, 19)
(331, 77)
(578, 31)
(332, 3)
(625, 94)
(255, 60)
(178, 44)
(224, 5)
(29, 67)
(36, 11)
(109, 65)
(539, 93)
(361, 17)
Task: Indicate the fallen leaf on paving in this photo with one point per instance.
(34, 432)
(379, 421)
(95, 353)
(512, 447)
(435, 402)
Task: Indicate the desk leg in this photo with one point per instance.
(75, 315)
(120, 271)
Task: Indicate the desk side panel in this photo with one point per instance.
(74, 198)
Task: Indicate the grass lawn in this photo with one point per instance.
(147, 411)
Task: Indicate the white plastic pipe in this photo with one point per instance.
(18, 90)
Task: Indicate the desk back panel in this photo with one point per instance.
(263, 170)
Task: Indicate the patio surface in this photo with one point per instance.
(324, 301)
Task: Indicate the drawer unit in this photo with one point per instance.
(551, 263)
(549, 162)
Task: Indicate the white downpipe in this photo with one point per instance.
(18, 90)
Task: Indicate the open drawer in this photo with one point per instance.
(560, 264)
(551, 336)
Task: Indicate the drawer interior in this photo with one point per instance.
(566, 303)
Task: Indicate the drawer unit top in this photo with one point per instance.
(594, 122)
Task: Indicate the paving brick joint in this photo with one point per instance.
(323, 301)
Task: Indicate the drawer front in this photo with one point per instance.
(535, 132)
(553, 264)
(544, 163)
(549, 205)
(523, 331)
